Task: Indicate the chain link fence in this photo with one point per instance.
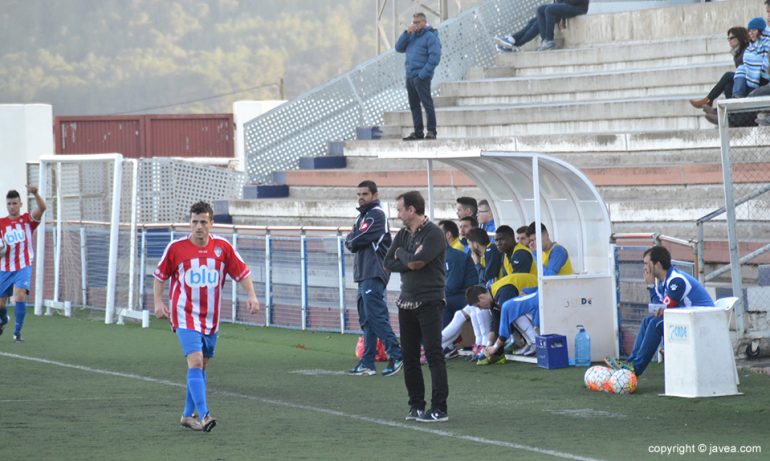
(744, 128)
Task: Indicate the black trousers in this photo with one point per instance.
(422, 326)
(723, 86)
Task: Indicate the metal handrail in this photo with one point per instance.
(700, 242)
(654, 236)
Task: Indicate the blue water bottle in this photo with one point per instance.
(582, 348)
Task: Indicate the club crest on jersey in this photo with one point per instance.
(14, 236)
(364, 226)
(202, 277)
(218, 251)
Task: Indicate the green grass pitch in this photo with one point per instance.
(77, 389)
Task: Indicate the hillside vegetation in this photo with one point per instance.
(119, 56)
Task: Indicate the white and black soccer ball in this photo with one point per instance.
(3, 247)
(623, 382)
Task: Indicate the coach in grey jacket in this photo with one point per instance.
(369, 241)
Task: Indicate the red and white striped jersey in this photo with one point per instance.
(197, 278)
(17, 234)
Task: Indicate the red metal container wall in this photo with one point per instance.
(207, 135)
(94, 135)
(190, 135)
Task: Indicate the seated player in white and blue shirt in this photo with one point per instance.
(671, 288)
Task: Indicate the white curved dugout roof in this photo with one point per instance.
(526, 186)
(569, 205)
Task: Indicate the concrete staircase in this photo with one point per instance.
(611, 102)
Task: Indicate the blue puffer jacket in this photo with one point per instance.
(423, 52)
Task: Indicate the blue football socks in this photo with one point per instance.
(196, 388)
(189, 404)
(21, 313)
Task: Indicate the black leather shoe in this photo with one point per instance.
(430, 135)
(413, 137)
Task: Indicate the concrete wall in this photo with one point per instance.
(26, 133)
(676, 21)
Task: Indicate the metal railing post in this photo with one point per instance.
(303, 277)
(341, 278)
(234, 293)
(268, 278)
(699, 248)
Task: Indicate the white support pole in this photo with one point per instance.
(83, 267)
(40, 263)
(112, 269)
(142, 264)
(57, 237)
(234, 293)
(732, 232)
(132, 236)
(538, 234)
(430, 189)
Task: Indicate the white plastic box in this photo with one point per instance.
(699, 359)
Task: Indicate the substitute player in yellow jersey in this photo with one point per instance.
(555, 257)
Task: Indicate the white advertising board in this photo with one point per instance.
(589, 300)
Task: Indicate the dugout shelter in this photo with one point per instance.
(526, 186)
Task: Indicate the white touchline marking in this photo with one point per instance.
(382, 422)
(73, 399)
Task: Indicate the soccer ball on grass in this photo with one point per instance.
(622, 382)
(597, 377)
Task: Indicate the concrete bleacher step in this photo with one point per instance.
(607, 85)
(660, 54)
(259, 191)
(624, 115)
(326, 162)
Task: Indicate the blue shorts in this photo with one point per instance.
(21, 279)
(195, 341)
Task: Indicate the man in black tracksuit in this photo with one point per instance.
(369, 241)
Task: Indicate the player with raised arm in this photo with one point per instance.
(197, 265)
(16, 230)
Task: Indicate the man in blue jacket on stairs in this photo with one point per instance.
(423, 52)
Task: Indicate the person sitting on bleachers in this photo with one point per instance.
(753, 73)
(546, 18)
(460, 272)
(738, 39)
